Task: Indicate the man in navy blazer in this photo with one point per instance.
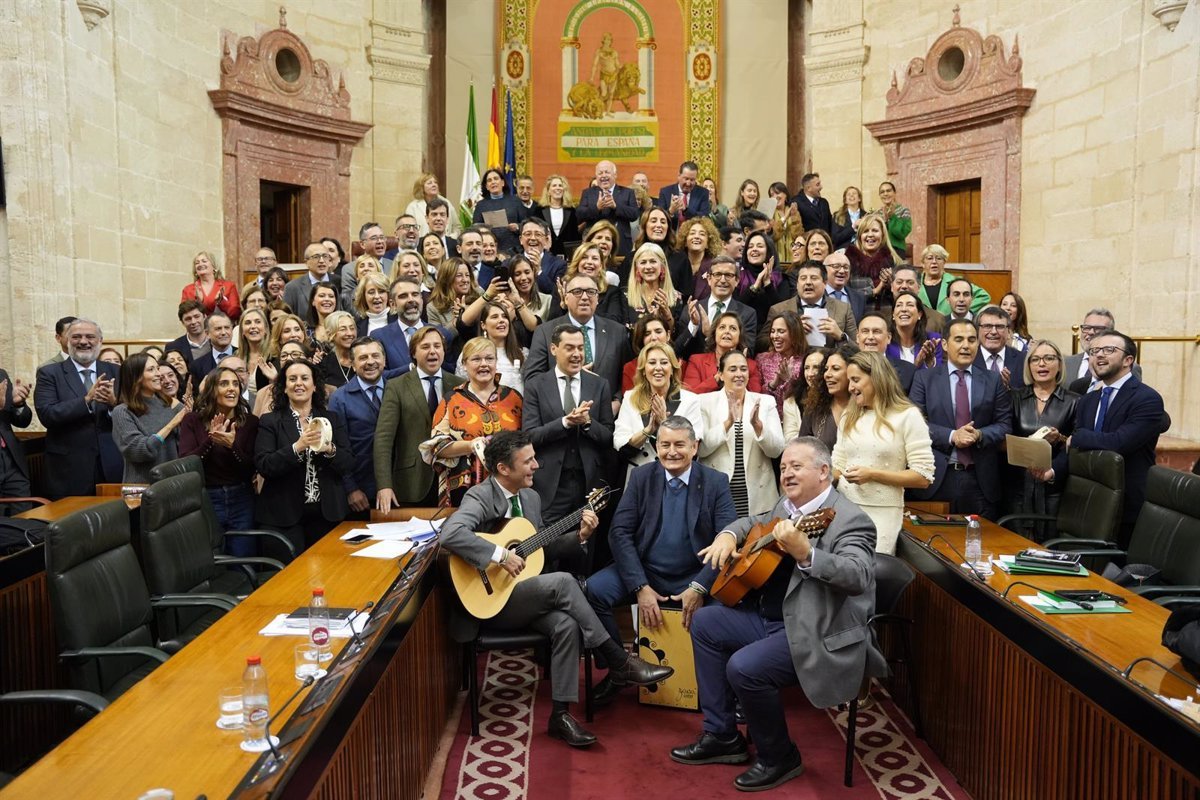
(1124, 415)
(14, 470)
(607, 200)
(814, 209)
(873, 335)
(219, 329)
(681, 200)
(994, 353)
(357, 402)
(656, 532)
(407, 305)
(74, 399)
(966, 446)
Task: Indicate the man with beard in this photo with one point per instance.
(74, 401)
(358, 402)
(470, 249)
(407, 305)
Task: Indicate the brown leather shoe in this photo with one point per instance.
(565, 727)
(640, 672)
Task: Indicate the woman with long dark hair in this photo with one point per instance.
(145, 422)
(496, 197)
(762, 283)
(702, 373)
(782, 366)
(814, 369)
(222, 431)
(911, 341)
(825, 407)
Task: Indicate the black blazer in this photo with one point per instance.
(182, 347)
(611, 353)
(626, 211)
(699, 203)
(1014, 361)
(814, 215)
(451, 245)
(76, 436)
(568, 234)
(201, 367)
(14, 417)
(281, 502)
(542, 416)
(905, 371)
(507, 242)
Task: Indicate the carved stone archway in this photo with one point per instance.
(283, 119)
(958, 118)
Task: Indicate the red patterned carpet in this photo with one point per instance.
(513, 759)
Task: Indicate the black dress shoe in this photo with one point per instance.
(606, 691)
(762, 776)
(564, 726)
(640, 672)
(739, 716)
(708, 749)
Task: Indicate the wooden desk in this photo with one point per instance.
(57, 509)
(1021, 704)
(374, 740)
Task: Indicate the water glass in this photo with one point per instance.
(984, 564)
(307, 664)
(230, 705)
(132, 495)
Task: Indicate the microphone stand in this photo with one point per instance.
(357, 641)
(1085, 605)
(307, 682)
(979, 576)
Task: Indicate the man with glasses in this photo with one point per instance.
(535, 239)
(264, 259)
(606, 200)
(837, 283)
(696, 318)
(1077, 365)
(296, 293)
(1123, 415)
(994, 352)
(606, 345)
(374, 243)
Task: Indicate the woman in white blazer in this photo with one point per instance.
(742, 433)
(657, 393)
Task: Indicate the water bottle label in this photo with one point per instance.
(320, 636)
(258, 716)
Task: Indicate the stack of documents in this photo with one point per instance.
(394, 539)
(1010, 565)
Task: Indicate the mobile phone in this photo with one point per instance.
(502, 273)
(1088, 596)
(362, 537)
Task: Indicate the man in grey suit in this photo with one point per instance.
(552, 604)
(1076, 365)
(809, 626)
(297, 290)
(569, 419)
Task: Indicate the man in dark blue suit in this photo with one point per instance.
(219, 329)
(535, 244)
(814, 209)
(14, 470)
(74, 399)
(680, 200)
(969, 413)
(357, 403)
(1123, 415)
(994, 352)
(607, 200)
(407, 305)
(670, 511)
(873, 335)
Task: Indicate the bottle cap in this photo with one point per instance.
(252, 661)
(318, 592)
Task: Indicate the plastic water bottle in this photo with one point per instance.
(318, 624)
(974, 549)
(255, 700)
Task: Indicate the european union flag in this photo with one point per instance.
(510, 147)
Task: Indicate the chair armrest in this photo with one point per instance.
(1029, 517)
(72, 697)
(1156, 592)
(887, 617)
(263, 560)
(224, 602)
(276, 535)
(1175, 602)
(41, 501)
(1070, 542)
(150, 653)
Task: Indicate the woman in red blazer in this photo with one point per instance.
(210, 287)
(700, 374)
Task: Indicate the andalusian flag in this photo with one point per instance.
(493, 157)
(470, 185)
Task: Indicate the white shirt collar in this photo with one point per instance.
(80, 368)
(1117, 384)
(810, 506)
(579, 324)
(686, 477)
(559, 374)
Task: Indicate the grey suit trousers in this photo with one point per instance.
(553, 604)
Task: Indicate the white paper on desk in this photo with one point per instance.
(815, 337)
(385, 549)
(1026, 452)
(280, 627)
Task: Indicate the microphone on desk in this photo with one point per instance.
(357, 639)
(979, 576)
(1085, 605)
(1125, 673)
(307, 682)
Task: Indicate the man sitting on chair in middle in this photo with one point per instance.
(671, 510)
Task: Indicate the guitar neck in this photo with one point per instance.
(548, 534)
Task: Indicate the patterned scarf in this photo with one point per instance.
(312, 487)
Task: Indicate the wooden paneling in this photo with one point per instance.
(1022, 705)
(997, 282)
(958, 223)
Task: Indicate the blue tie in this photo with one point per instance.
(1105, 396)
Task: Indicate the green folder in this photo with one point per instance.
(1097, 608)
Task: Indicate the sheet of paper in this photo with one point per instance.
(767, 205)
(280, 627)
(815, 337)
(495, 219)
(385, 549)
(1026, 452)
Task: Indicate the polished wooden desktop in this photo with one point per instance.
(57, 509)
(1020, 704)
(374, 739)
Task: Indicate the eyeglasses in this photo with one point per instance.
(319, 257)
(716, 276)
(377, 238)
(406, 227)
(1050, 359)
(1091, 328)
(264, 259)
(583, 292)
(1105, 351)
(797, 244)
(993, 326)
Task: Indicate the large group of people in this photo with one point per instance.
(725, 366)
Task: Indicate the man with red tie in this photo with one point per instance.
(681, 200)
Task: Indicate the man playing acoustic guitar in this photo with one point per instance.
(806, 625)
(553, 603)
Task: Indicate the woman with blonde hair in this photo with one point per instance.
(254, 335)
(210, 288)
(852, 210)
(351, 278)
(425, 188)
(871, 262)
(604, 234)
(747, 200)
(657, 393)
(453, 290)
(742, 434)
(650, 291)
(697, 242)
(467, 417)
(883, 446)
(288, 328)
(371, 303)
(558, 209)
(337, 367)
(589, 260)
(936, 280)
(411, 264)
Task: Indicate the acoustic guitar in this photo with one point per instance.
(760, 555)
(484, 592)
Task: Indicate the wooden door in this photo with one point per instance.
(958, 220)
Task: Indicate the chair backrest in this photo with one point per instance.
(1167, 532)
(176, 550)
(892, 577)
(1090, 507)
(193, 464)
(97, 592)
